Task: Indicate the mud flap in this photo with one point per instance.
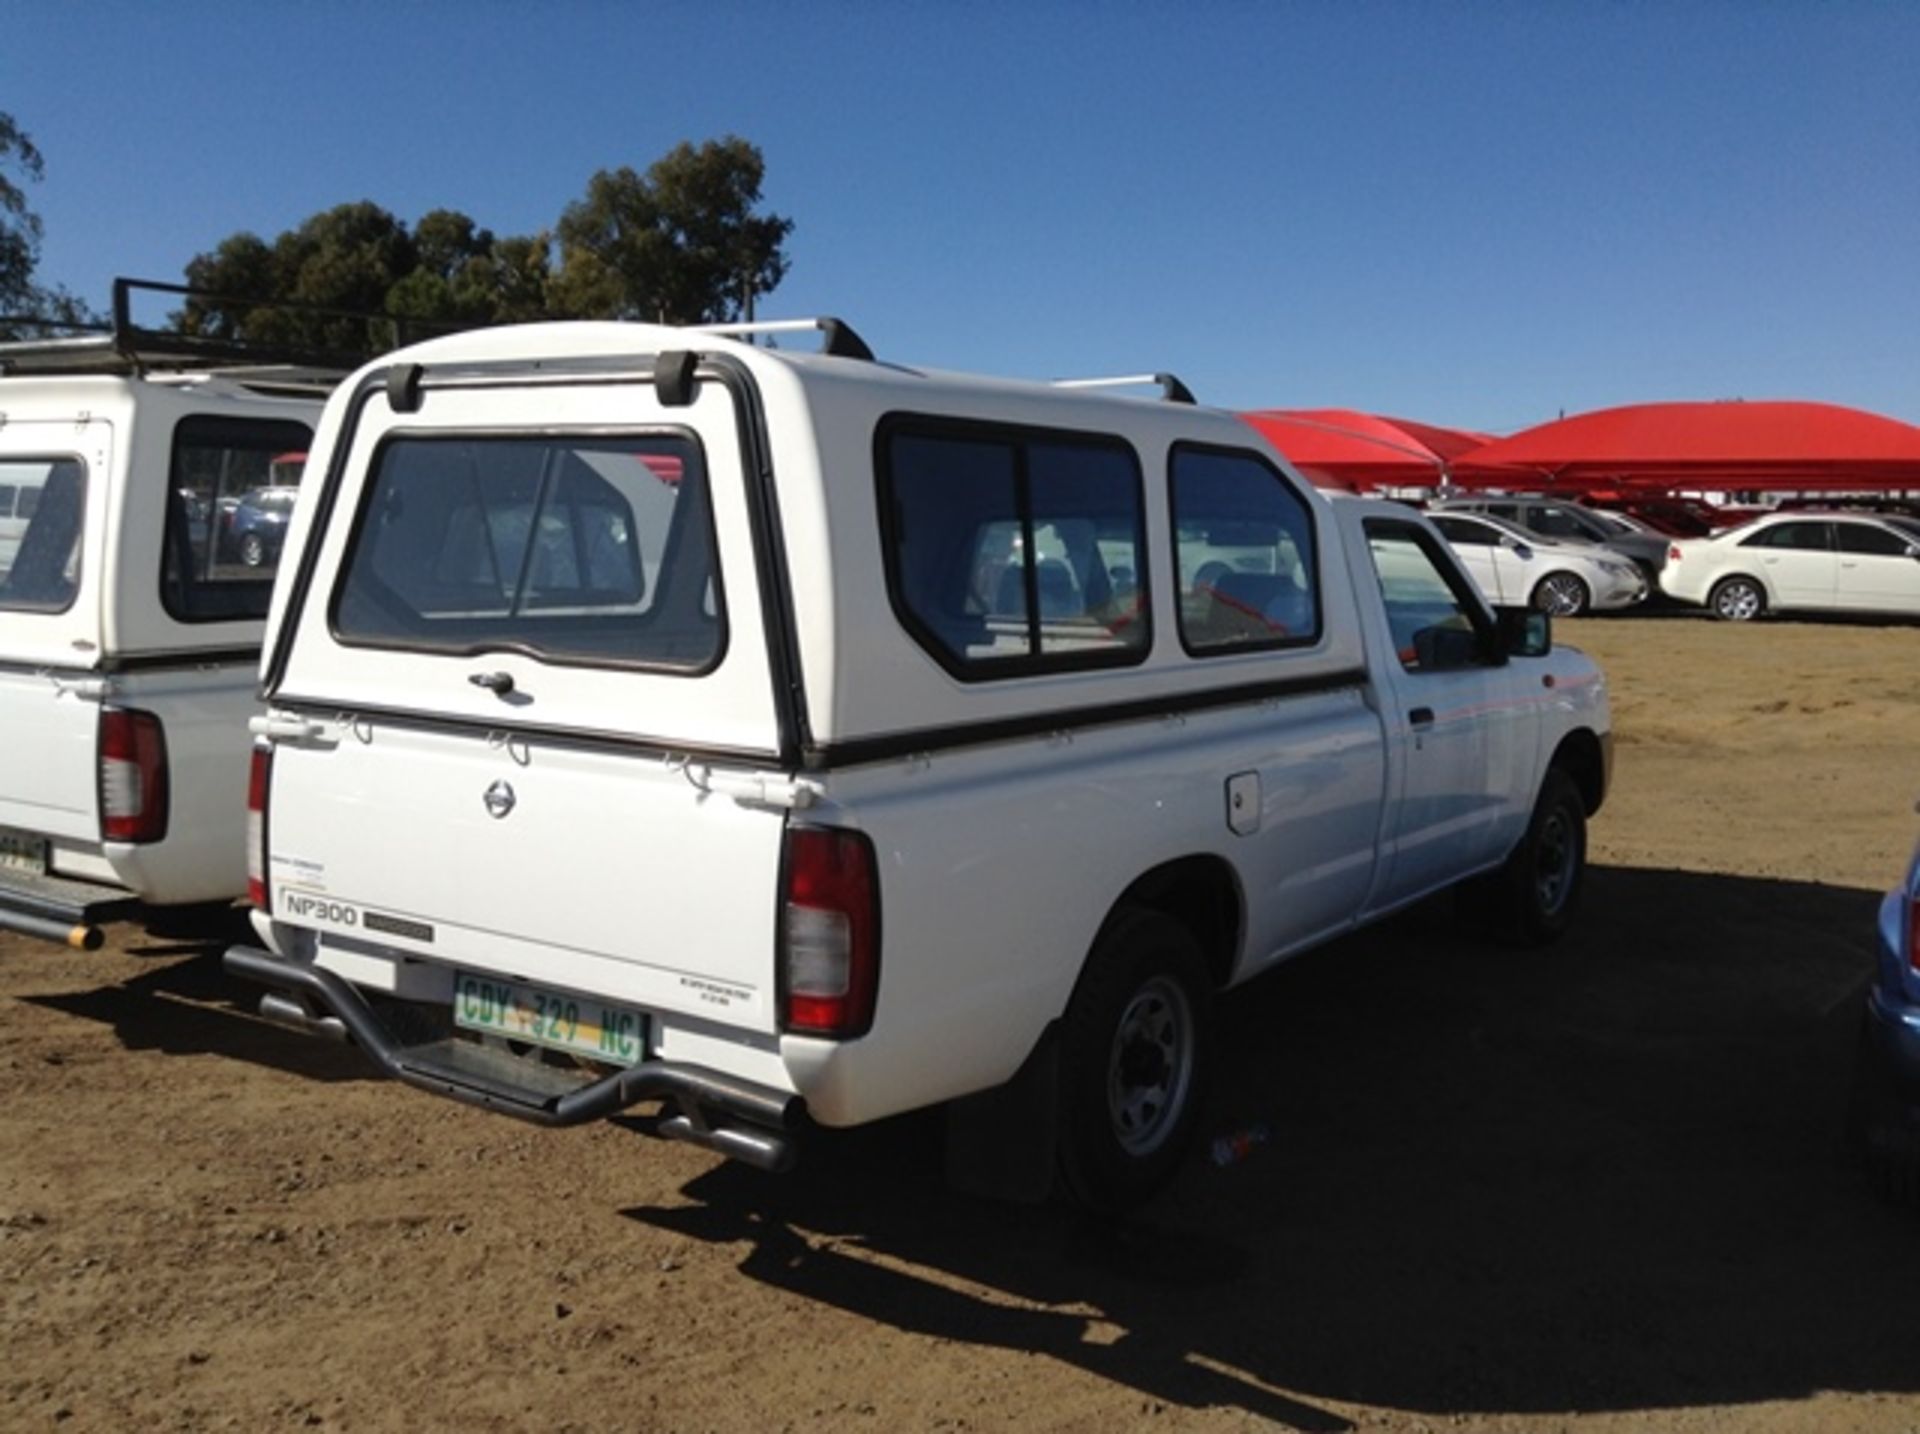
(1002, 1143)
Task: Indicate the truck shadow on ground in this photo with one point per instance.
(1604, 1177)
(192, 1007)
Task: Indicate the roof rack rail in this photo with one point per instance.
(122, 346)
(839, 339)
(1171, 389)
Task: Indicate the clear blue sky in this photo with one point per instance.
(1470, 214)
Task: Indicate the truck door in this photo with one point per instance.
(1457, 727)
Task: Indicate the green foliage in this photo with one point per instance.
(20, 234)
(681, 242)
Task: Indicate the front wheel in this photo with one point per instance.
(1562, 594)
(1134, 1060)
(1737, 600)
(253, 552)
(1532, 898)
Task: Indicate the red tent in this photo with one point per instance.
(1343, 448)
(1704, 446)
(1449, 443)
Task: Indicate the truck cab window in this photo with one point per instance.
(1433, 622)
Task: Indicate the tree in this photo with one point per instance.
(680, 244)
(20, 234)
(346, 259)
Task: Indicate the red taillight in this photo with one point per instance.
(133, 775)
(1673, 552)
(257, 777)
(829, 933)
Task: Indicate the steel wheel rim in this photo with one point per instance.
(1561, 595)
(1553, 881)
(1739, 601)
(1150, 1066)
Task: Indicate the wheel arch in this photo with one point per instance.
(1582, 757)
(1204, 894)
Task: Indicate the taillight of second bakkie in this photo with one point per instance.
(258, 776)
(133, 775)
(830, 933)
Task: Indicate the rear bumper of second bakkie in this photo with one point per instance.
(736, 1118)
(59, 909)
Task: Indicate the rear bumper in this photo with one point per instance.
(57, 908)
(744, 1121)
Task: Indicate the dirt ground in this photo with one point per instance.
(1595, 1189)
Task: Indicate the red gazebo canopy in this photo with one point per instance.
(1781, 445)
(1343, 447)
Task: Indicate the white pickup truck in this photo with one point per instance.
(129, 631)
(798, 737)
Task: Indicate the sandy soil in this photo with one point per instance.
(1595, 1189)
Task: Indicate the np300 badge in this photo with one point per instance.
(499, 799)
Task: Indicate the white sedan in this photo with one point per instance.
(1515, 568)
(1836, 562)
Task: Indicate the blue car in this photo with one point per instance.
(257, 527)
(1884, 1121)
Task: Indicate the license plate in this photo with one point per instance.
(21, 851)
(580, 1024)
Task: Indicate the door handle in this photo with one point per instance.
(1421, 717)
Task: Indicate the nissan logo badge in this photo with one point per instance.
(499, 799)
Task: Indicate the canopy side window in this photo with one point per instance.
(1011, 551)
(40, 534)
(1244, 553)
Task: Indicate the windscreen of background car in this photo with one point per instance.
(590, 549)
(232, 489)
(40, 533)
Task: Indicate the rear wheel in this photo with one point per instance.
(1562, 594)
(253, 552)
(1134, 1058)
(1737, 600)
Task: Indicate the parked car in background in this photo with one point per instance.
(1814, 562)
(1883, 1120)
(1514, 568)
(257, 527)
(1556, 521)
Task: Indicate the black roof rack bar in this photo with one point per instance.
(1171, 389)
(125, 346)
(838, 338)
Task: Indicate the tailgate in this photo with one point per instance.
(49, 725)
(531, 611)
(607, 873)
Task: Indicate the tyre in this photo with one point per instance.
(1532, 898)
(1134, 1055)
(1883, 1127)
(1737, 600)
(1562, 594)
(253, 552)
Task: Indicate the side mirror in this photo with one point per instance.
(1520, 550)
(1913, 550)
(1524, 631)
